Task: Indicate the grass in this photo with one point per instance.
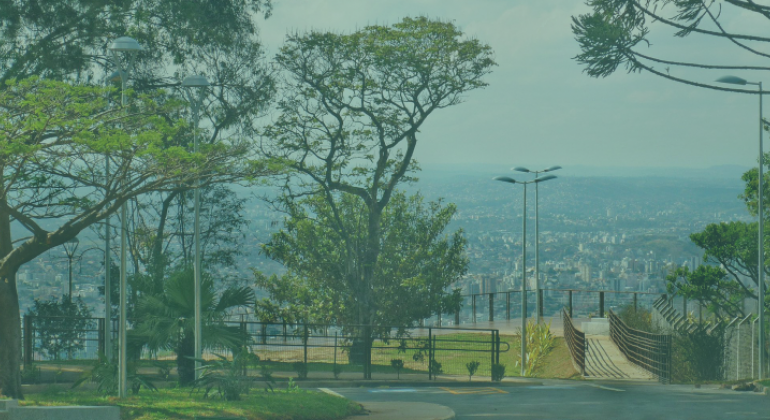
(179, 404)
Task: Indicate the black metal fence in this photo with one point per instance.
(317, 348)
(576, 341)
(579, 304)
(651, 352)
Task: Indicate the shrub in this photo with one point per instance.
(301, 369)
(498, 372)
(435, 367)
(472, 368)
(397, 364)
(337, 369)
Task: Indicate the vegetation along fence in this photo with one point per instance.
(322, 349)
(576, 341)
(649, 351)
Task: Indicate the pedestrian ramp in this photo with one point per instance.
(605, 361)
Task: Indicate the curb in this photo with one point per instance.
(408, 411)
(400, 384)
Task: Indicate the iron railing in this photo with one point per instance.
(576, 341)
(651, 352)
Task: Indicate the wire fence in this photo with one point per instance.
(323, 349)
(651, 352)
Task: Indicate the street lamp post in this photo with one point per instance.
(189, 83)
(538, 308)
(130, 47)
(733, 80)
(524, 264)
(70, 247)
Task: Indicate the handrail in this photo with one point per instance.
(651, 352)
(576, 341)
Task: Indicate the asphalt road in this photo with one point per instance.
(579, 400)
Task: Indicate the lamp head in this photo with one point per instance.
(125, 44)
(732, 80)
(521, 169)
(552, 168)
(197, 80)
(505, 179)
(545, 178)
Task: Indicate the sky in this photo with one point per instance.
(540, 109)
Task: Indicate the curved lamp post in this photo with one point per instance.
(128, 47)
(189, 83)
(538, 308)
(524, 264)
(734, 80)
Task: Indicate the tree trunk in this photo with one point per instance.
(185, 365)
(10, 339)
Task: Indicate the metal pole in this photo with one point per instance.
(761, 251)
(107, 284)
(123, 359)
(524, 286)
(538, 303)
(197, 263)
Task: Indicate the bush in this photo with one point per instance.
(301, 369)
(435, 367)
(472, 368)
(697, 356)
(397, 364)
(59, 325)
(337, 369)
(638, 319)
(498, 372)
(105, 375)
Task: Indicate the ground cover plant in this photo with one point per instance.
(171, 404)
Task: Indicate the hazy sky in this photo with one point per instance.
(540, 109)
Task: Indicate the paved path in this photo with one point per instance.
(577, 400)
(605, 361)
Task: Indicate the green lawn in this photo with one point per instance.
(179, 404)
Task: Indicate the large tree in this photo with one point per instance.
(349, 119)
(54, 138)
(418, 263)
(618, 33)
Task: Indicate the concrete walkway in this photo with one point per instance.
(605, 361)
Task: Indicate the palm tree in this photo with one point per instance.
(166, 322)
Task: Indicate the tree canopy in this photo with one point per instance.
(618, 34)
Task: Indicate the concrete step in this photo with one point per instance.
(6, 404)
(4, 415)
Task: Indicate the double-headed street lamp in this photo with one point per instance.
(538, 303)
(129, 47)
(200, 83)
(733, 80)
(524, 264)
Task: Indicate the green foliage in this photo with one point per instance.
(498, 372)
(229, 378)
(59, 325)
(167, 321)
(416, 265)
(710, 286)
(697, 356)
(301, 369)
(397, 364)
(292, 386)
(472, 368)
(540, 341)
(337, 370)
(638, 319)
(435, 367)
(104, 374)
(358, 100)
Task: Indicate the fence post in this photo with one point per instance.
(457, 316)
(636, 305)
(335, 352)
(601, 304)
(570, 304)
(99, 335)
(684, 307)
(27, 341)
(491, 307)
(492, 352)
(304, 343)
(473, 308)
(508, 305)
(540, 303)
(430, 351)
